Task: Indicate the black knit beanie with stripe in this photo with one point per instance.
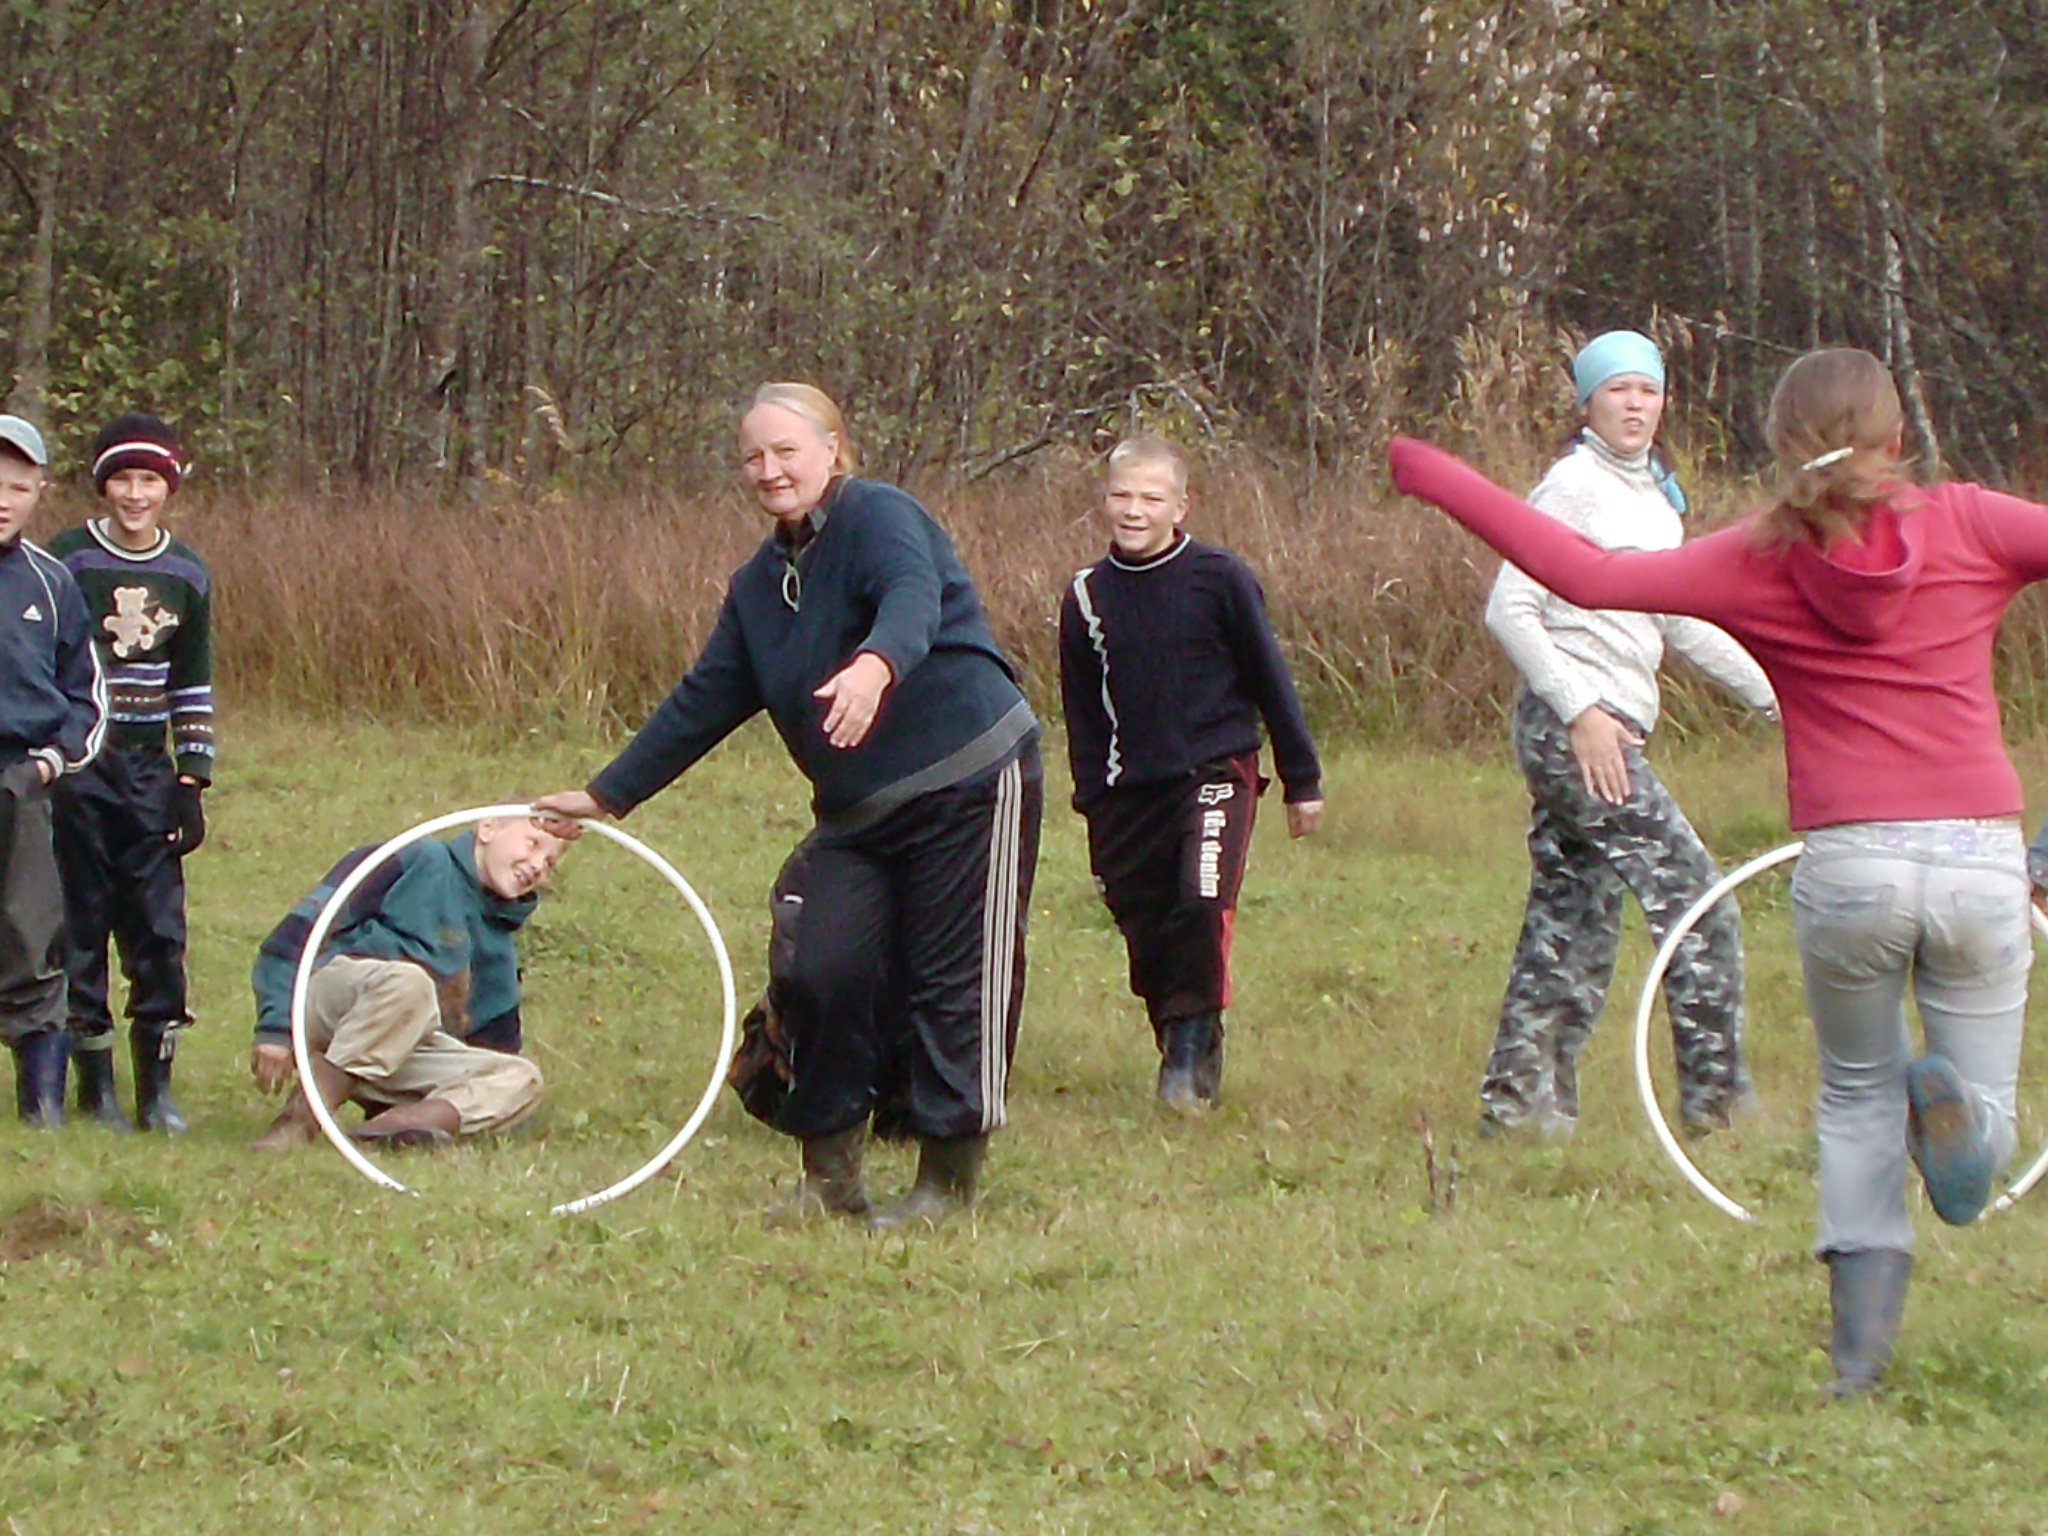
(135, 441)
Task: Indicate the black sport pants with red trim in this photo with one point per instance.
(907, 970)
(1169, 859)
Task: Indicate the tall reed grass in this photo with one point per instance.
(553, 613)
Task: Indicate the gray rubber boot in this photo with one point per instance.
(947, 1172)
(1867, 1295)
(831, 1184)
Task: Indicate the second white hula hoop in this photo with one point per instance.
(389, 850)
(1646, 1087)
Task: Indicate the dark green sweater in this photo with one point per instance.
(426, 906)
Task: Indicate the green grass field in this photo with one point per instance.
(1255, 1322)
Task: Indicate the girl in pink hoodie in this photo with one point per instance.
(1872, 606)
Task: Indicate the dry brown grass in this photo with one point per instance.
(583, 612)
(551, 613)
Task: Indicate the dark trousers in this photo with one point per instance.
(1169, 859)
(31, 909)
(908, 961)
(122, 880)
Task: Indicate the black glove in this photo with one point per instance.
(188, 818)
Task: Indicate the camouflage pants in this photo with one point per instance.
(1583, 853)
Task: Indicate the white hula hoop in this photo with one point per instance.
(347, 888)
(1646, 1088)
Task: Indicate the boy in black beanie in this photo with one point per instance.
(125, 825)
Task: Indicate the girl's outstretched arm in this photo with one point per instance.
(1687, 580)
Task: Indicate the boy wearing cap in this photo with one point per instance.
(52, 716)
(125, 825)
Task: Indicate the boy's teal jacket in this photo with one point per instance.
(426, 906)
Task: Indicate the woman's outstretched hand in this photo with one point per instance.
(560, 814)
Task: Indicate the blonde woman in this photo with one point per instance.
(857, 629)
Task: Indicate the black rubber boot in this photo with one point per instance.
(92, 1067)
(831, 1183)
(947, 1172)
(39, 1063)
(151, 1045)
(1209, 1070)
(1190, 1058)
(1867, 1295)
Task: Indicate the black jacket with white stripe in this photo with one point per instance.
(1169, 664)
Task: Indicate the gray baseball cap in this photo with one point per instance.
(22, 435)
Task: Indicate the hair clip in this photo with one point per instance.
(1822, 461)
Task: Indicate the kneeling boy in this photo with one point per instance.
(414, 1010)
(1167, 665)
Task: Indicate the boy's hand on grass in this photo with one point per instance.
(1303, 817)
(1598, 740)
(272, 1066)
(853, 697)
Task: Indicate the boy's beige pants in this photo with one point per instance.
(380, 1022)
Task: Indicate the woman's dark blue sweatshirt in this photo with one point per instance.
(879, 575)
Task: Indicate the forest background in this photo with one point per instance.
(432, 286)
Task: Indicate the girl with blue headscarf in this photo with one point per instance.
(1601, 821)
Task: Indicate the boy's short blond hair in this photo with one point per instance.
(1148, 448)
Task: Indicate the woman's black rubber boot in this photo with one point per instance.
(947, 1172)
(831, 1183)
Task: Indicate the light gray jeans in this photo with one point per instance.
(1874, 903)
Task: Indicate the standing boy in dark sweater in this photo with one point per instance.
(1167, 665)
(125, 825)
(52, 716)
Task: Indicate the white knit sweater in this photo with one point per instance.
(1574, 658)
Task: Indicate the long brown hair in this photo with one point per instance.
(1834, 399)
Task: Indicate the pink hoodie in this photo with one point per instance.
(1879, 648)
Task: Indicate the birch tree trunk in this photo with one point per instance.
(1898, 318)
